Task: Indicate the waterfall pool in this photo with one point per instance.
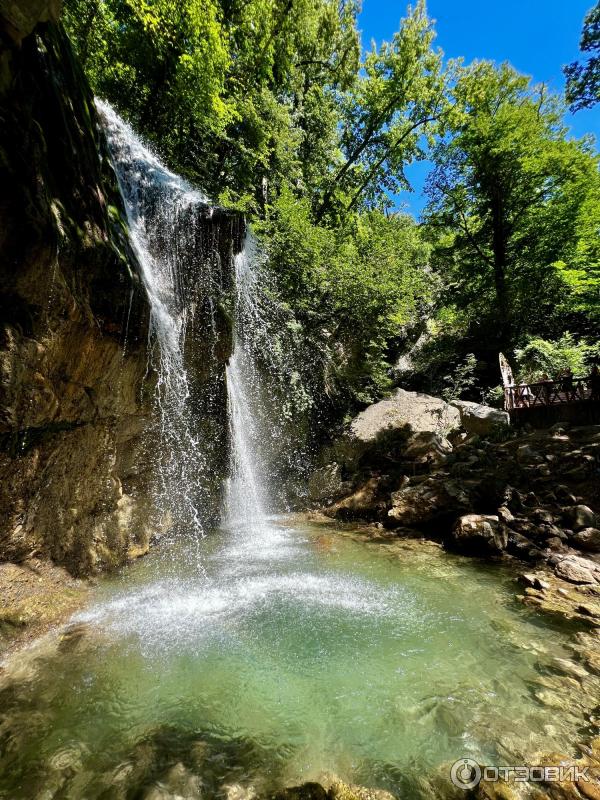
(261, 658)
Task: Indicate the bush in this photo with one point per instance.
(540, 356)
(462, 379)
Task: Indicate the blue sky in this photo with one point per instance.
(536, 36)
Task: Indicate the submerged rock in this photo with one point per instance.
(307, 791)
(337, 790)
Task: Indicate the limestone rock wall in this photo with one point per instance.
(74, 387)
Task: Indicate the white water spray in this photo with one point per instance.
(163, 216)
(247, 499)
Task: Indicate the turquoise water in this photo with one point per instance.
(260, 660)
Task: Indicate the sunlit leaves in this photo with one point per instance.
(506, 203)
(583, 79)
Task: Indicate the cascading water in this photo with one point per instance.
(247, 497)
(266, 399)
(183, 277)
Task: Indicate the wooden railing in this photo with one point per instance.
(549, 393)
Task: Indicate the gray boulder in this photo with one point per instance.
(480, 533)
(480, 419)
(580, 517)
(420, 412)
(427, 448)
(587, 539)
(576, 569)
(389, 421)
(419, 504)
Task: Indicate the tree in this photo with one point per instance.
(353, 288)
(583, 79)
(237, 95)
(505, 197)
(393, 104)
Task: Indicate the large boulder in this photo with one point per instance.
(419, 412)
(576, 569)
(369, 501)
(580, 517)
(386, 426)
(480, 419)
(427, 502)
(480, 533)
(427, 448)
(587, 539)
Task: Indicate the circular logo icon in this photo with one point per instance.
(465, 773)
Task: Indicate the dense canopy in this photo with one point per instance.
(272, 107)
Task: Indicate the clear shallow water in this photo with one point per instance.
(291, 652)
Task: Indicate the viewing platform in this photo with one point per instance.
(568, 398)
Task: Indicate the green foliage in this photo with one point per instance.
(540, 356)
(391, 110)
(462, 380)
(494, 397)
(583, 80)
(236, 95)
(579, 273)
(508, 200)
(355, 287)
(267, 105)
(162, 62)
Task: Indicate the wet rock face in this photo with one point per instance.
(74, 318)
(21, 16)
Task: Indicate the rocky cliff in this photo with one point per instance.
(73, 315)
(79, 417)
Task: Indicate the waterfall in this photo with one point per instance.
(177, 250)
(227, 403)
(247, 497)
(267, 400)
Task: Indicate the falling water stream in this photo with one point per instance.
(293, 650)
(246, 498)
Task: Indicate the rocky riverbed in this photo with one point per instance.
(527, 498)
(416, 465)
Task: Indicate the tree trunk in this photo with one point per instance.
(499, 249)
